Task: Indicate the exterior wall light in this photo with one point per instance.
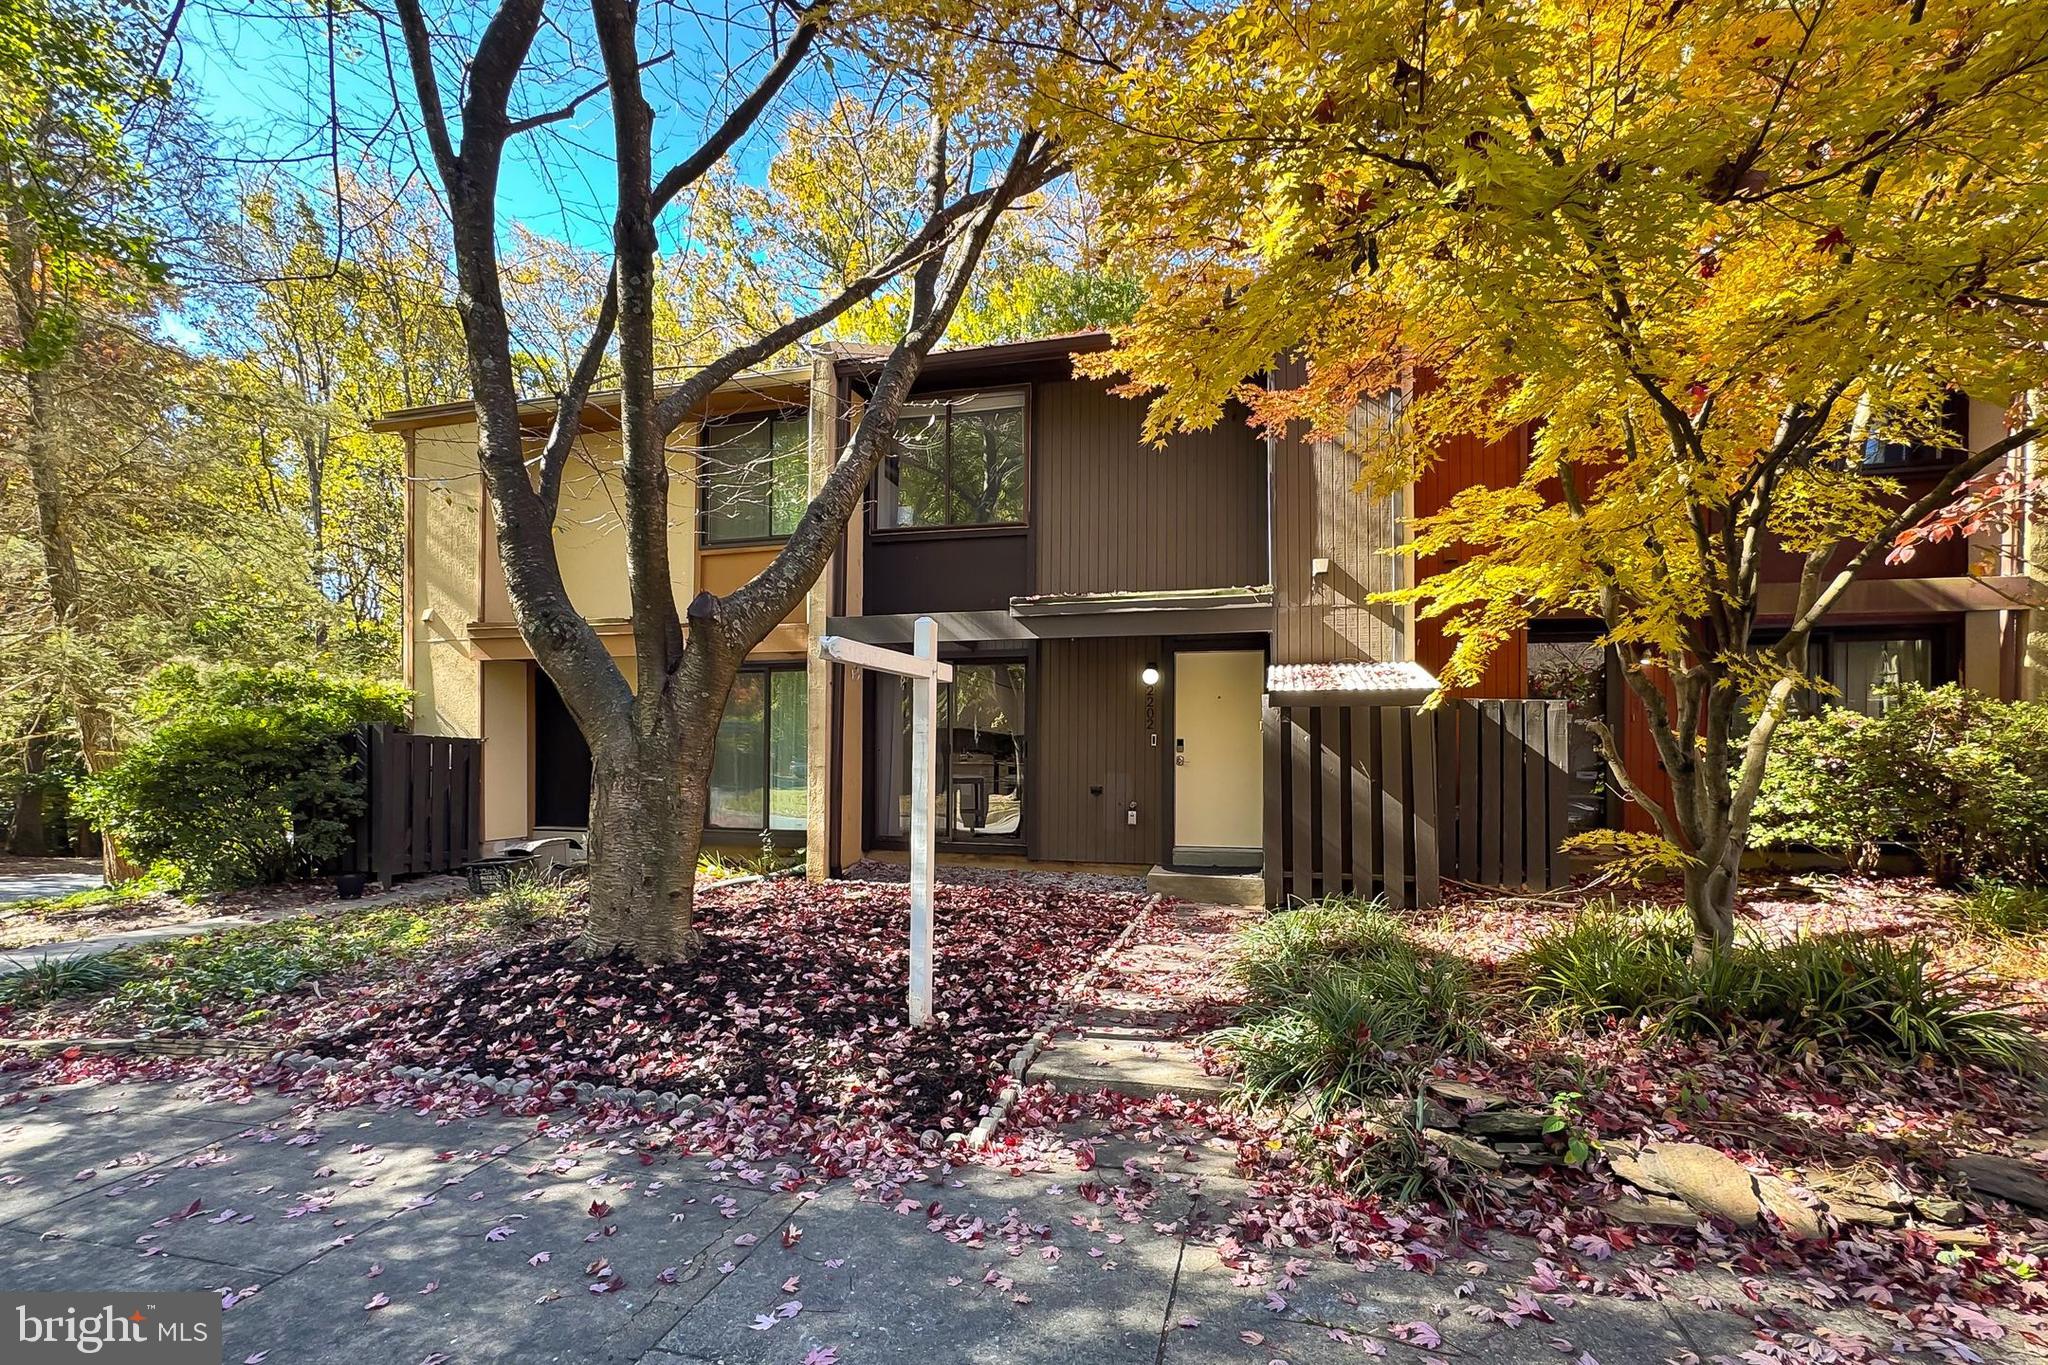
(1150, 677)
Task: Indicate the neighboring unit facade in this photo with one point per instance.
(1118, 616)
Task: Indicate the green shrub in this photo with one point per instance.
(1342, 1006)
(1277, 957)
(524, 901)
(1610, 962)
(1961, 778)
(246, 775)
(2002, 908)
(56, 978)
(1834, 990)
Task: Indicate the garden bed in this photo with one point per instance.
(797, 997)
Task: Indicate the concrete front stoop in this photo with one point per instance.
(1208, 888)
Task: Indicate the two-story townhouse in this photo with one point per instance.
(739, 476)
(1119, 616)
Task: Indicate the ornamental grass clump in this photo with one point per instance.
(1342, 1007)
(1834, 990)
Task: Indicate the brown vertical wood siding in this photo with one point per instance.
(1117, 515)
(1090, 731)
(1319, 514)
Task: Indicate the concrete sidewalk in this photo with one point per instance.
(366, 1235)
(30, 879)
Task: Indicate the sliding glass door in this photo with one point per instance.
(981, 756)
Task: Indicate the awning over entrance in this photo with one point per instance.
(1070, 616)
(1203, 611)
(1379, 684)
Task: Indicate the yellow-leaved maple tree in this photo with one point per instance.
(1704, 250)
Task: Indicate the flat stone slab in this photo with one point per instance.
(1990, 1175)
(1709, 1180)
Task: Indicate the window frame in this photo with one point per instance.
(1924, 457)
(1024, 393)
(767, 669)
(1943, 653)
(707, 458)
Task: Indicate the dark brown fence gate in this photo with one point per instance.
(1390, 800)
(425, 807)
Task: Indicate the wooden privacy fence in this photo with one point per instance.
(1391, 800)
(424, 811)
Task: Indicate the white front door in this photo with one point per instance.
(1218, 784)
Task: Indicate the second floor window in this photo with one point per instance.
(756, 473)
(958, 462)
(1936, 449)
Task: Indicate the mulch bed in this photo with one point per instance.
(797, 998)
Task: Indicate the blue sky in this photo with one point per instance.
(267, 77)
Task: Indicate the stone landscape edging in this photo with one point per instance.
(679, 1103)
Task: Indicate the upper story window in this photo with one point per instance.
(756, 474)
(1939, 449)
(958, 462)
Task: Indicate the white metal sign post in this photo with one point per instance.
(922, 669)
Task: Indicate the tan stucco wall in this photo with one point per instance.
(508, 749)
(481, 685)
(444, 541)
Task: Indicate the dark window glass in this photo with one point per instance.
(1943, 448)
(1575, 672)
(958, 462)
(788, 747)
(756, 473)
(981, 738)
(1869, 674)
(759, 766)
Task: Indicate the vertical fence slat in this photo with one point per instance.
(1488, 807)
(1535, 795)
(1329, 756)
(1422, 732)
(1301, 774)
(1269, 740)
(1360, 808)
(1558, 728)
(1393, 807)
(1513, 827)
(1470, 806)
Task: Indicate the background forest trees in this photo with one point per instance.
(195, 342)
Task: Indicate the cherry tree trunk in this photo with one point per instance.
(650, 793)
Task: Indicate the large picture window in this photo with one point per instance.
(958, 462)
(1868, 673)
(981, 755)
(756, 476)
(759, 768)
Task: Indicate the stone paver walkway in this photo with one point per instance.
(366, 1235)
(14, 960)
(1135, 1032)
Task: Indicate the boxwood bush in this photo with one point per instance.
(1955, 775)
(243, 775)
